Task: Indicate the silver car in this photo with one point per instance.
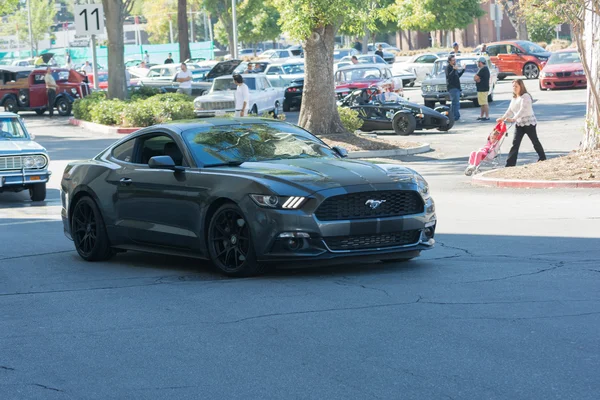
(433, 89)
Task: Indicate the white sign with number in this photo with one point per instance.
(89, 19)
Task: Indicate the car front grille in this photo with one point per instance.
(563, 74)
(218, 105)
(345, 243)
(10, 163)
(394, 203)
(441, 88)
(565, 83)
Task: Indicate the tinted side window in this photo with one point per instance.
(124, 151)
(158, 145)
(493, 50)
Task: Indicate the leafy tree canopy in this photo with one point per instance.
(8, 6)
(430, 15)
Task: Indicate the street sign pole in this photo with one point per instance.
(89, 21)
(498, 22)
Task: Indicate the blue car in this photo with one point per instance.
(23, 162)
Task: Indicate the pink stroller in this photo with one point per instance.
(488, 153)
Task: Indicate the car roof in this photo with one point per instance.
(4, 114)
(185, 125)
(357, 66)
(11, 68)
(292, 61)
(571, 50)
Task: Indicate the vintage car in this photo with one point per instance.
(420, 65)
(24, 89)
(402, 116)
(360, 76)
(433, 89)
(293, 94)
(562, 71)
(282, 74)
(220, 99)
(23, 162)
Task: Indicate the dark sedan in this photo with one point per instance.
(245, 193)
(293, 95)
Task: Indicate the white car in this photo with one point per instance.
(220, 99)
(282, 74)
(420, 65)
(273, 55)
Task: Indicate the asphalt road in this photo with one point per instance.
(507, 306)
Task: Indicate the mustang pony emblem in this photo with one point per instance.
(374, 203)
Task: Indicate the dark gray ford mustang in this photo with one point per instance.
(245, 193)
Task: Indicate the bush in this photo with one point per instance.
(350, 119)
(107, 112)
(168, 108)
(138, 114)
(82, 107)
(144, 92)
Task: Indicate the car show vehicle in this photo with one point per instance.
(562, 71)
(245, 193)
(24, 89)
(360, 76)
(293, 95)
(273, 55)
(388, 56)
(220, 99)
(23, 162)
(420, 65)
(518, 57)
(401, 116)
(362, 59)
(282, 74)
(434, 89)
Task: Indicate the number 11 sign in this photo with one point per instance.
(89, 19)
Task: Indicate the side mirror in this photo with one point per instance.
(32, 136)
(340, 151)
(163, 162)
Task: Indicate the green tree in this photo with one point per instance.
(8, 6)
(158, 26)
(42, 17)
(584, 18)
(541, 24)
(258, 22)
(516, 18)
(222, 9)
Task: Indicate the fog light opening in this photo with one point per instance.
(294, 244)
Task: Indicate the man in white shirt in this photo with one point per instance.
(242, 97)
(146, 57)
(184, 77)
(87, 68)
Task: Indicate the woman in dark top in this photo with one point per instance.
(379, 51)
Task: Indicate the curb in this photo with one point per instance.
(99, 128)
(390, 153)
(481, 180)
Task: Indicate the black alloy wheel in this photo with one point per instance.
(229, 243)
(404, 123)
(88, 231)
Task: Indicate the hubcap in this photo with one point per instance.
(84, 228)
(229, 240)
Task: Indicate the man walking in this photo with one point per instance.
(455, 49)
(453, 74)
(184, 77)
(169, 59)
(242, 96)
(482, 81)
(379, 51)
(50, 90)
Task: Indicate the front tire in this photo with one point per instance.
(37, 192)
(89, 232)
(450, 123)
(63, 106)
(10, 105)
(531, 71)
(230, 246)
(404, 123)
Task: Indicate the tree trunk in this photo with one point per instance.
(588, 43)
(365, 41)
(515, 16)
(318, 113)
(182, 30)
(114, 16)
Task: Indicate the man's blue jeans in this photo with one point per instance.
(455, 98)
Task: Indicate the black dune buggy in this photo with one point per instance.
(403, 116)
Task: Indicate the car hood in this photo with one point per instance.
(223, 68)
(467, 77)
(17, 147)
(218, 96)
(571, 67)
(317, 174)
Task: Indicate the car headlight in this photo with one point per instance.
(74, 91)
(28, 162)
(422, 186)
(546, 74)
(197, 104)
(271, 201)
(40, 161)
(579, 73)
(542, 58)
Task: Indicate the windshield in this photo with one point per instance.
(102, 77)
(571, 57)
(531, 47)
(293, 69)
(253, 142)
(358, 74)
(221, 85)
(339, 54)
(11, 128)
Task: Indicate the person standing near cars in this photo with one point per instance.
(146, 57)
(455, 49)
(169, 59)
(50, 90)
(521, 113)
(379, 51)
(453, 74)
(242, 96)
(87, 68)
(482, 81)
(184, 77)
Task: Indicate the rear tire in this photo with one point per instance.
(443, 102)
(286, 106)
(89, 232)
(404, 123)
(430, 104)
(501, 77)
(10, 105)
(37, 192)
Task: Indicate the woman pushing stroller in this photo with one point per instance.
(521, 113)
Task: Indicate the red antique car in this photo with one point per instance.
(360, 76)
(24, 89)
(563, 70)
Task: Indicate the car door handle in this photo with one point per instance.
(125, 181)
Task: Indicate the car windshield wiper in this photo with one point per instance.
(225, 164)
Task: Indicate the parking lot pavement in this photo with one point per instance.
(505, 307)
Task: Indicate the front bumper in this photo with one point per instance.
(563, 83)
(445, 96)
(14, 180)
(375, 238)
(213, 113)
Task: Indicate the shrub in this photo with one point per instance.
(144, 92)
(107, 112)
(167, 108)
(138, 114)
(350, 119)
(82, 107)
